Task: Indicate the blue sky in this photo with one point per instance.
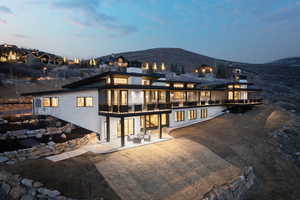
(254, 31)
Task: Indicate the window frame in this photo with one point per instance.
(84, 101)
(180, 116)
(50, 102)
(192, 114)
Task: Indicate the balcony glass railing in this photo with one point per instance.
(166, 106)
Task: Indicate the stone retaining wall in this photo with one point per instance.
(17, 188)
(234, 190)
(38, 133)
(43, 150)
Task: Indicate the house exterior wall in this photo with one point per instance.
(213, 111)
(85, 117)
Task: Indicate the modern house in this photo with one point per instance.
(128, 104)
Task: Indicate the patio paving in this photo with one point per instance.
(175, 169)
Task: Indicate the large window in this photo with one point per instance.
(205, 93)
(84, 101)
(192, 114)
(190, 85)
(178, 96)
(179, 116)
(191, 96)
(124, 97)
(120, 81)
(50, 102)
(178, 85)
(128, 127)
(164, 119)
(152, 121)
(204, 113)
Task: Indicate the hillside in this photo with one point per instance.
(293, 61)
(169, 56)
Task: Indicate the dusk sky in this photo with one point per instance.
(254, 31)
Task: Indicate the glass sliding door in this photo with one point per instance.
(124, 97)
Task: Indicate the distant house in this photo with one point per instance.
(130, 106)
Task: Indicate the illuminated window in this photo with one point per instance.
(230, 86)
(178, 96)
(146, 82)
(230, 95)
(179, 116)
(190, 85)
(50, 102)
(163, 66)
(162, 96)
(168, 84)
(128, 127)
(120, 81)
(205, 93)
(84, 101)
(108, 80)
(192, 114)
(151, 121)
(89, 101)
(164, 119)
(46, 102)
(178, 85)
(191, 96)
(154, 66)
(124, 97)
(204, 113)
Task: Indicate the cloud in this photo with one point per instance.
(88, 14)
(5, 10)
(21, 36)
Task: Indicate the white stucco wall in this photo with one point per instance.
(85, 117)
(213, 111)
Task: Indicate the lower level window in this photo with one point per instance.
(84, 101)
(192, 114)
(204, 113)
(128, 127)
(50, 101)
(179, 116)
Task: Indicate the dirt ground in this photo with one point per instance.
(240, 139)
(244, 140)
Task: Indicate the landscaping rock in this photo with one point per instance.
(5, 187)
(3, 159)
(37, 184)
(17, 192)
(27, 182)
(49, 193)
(28, 197)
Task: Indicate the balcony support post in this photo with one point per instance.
(122, 132)
(107, 129)
(160, 128)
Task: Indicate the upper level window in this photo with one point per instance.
(120, 81)
(84, 101)
(205, 93)
(230, 86)
(190, 85)
(146, 82)
(178, 85)
(50, 102)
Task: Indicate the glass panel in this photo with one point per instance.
(230, 95)
(162, 96)
(178, 85)
(54, 102)
(119, 81)
(89, 101)
(164, 119)
(190, 85)
(154, 120)
(109, 97)
(124, 94)
(80, 102)
(46, 102)
(116, 97)
(178, 96)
